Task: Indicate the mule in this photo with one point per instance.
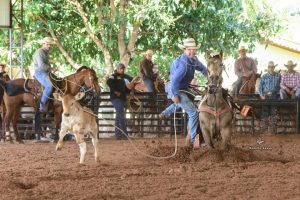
(28, 91)
(215, 109)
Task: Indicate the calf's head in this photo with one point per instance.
(69, 102)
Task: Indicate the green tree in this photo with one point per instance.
(101, 32)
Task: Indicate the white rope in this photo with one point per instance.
(137, 149)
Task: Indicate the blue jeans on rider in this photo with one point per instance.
(193, 116)
(120, 129)
(45, 81)
(236, 86)
(149, 84)
(170, 110)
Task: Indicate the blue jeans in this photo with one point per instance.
(149, 84)
(119, 105)
(45, 81)
(170, 110)
(285, 95)
(236, 86)
(193, 115)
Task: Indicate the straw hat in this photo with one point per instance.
(189, 43)
(148, 52)
(46, 40)
(215, 53)
(242, 48)
(290, 63)
(271, 64)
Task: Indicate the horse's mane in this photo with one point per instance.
(82, 68)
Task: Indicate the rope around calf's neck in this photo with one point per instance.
(136, 148)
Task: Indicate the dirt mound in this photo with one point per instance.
(233, 154)
(183, 154)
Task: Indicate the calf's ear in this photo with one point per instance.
(79, 96)
(57, 96)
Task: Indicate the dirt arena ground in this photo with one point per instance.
(249, 170)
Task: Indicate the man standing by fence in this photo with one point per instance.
(118, 92)
(182, 73)
(268, 89)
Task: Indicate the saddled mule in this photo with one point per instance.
(28, 91)
(215, 110)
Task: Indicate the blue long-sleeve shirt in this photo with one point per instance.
(182, 72)
(269, 83)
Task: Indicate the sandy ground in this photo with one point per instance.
(36, 171)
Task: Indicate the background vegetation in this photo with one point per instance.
(100, 33)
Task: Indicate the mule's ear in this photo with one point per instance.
(79, 96)
(57, 96)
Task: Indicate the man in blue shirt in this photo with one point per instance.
(181, 74)
(268, 88)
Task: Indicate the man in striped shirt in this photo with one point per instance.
(268, 88)
(290, 82)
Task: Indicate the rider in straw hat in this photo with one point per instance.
(182, 73)
(243, 67)
(146, 69)
(42, 68)
(290, 82)
(268, 88)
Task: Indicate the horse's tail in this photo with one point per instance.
(3, 84)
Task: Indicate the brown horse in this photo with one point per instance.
(28, 91)
(249, 84)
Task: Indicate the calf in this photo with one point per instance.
(78, 120)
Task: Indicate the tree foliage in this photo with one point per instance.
(100, 33)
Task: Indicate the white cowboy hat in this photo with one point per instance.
(148, 52)
(215, 53)
(189, 43)
(271, 64)
(46, 40)
(290, 63)
(242, 48)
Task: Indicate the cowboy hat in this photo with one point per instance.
(148, 52)
(120, 65)
(271, 64)
(189, 43)
(290, 63)
(46, 40)
(215, 53)
(242, 48)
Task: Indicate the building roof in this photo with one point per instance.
(285, 44)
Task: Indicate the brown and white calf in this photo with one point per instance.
(79, 121)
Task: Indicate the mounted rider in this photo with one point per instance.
(42, 68)
(244, 67)
(146, 70)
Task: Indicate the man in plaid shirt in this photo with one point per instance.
(290, 82)
(268, 88)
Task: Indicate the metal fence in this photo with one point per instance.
(142, 116)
